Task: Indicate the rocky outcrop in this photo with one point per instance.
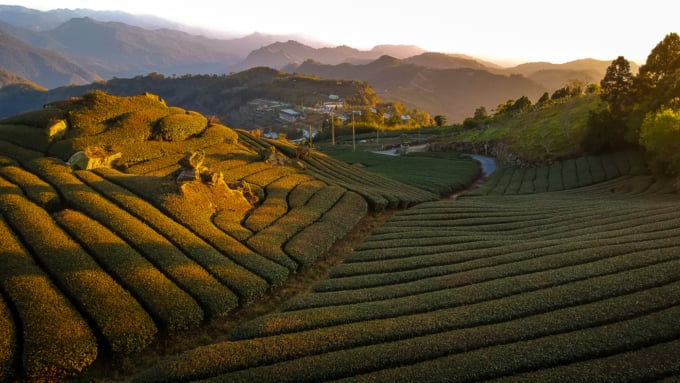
(202, 185)
(92, 158)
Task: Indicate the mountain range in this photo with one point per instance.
(76, 47)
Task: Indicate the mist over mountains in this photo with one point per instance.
(76, 47)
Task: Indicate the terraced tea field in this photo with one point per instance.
(105, 262)
(569, 270)
(581, 284)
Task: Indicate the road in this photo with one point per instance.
(488, 163)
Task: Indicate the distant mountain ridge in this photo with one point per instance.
(45, 67)
(91, 45)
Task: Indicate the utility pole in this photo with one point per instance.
(354, 144)
(332, 129)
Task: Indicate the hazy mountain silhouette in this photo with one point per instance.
(455, 93)
(282, 55)
(42, 66)
(55, 48)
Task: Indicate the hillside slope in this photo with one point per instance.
(132, 220)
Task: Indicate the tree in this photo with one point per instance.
(481, 113)
(521, 105)
(440, 120)
(663, 60)
(660, 136)
(617, 87)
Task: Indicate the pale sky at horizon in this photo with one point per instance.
(505, 32)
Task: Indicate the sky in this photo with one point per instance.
(506, 32)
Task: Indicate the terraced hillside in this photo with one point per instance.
(580, 284)
(106, 261)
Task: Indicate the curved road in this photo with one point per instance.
(488, 163)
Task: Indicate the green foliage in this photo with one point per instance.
(433, 172)
(214, 297)
(26, 136)
(55, 339)
(221, 267)
(169, 305)
(569, 288)
(563, 175)
(316, 239)
(660, 136)
(119, 318)
(179, 127)
(617, 87)
(8, 341)
(37, 190)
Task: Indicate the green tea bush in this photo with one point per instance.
(528, 184)
(55, 341)
(610, 166)
(214, 297)
(230, 222)
(570, 176)
(118, 316)
(26, 136)
(17, 152)
(169, 305)
(543, 352)
(38, 118)
(269, 176)
(555, 181)
(270, 241)
(303, 192)
(8, 341)
(200, 223)
(234, 174)
(346, 350)
(478, 291)
(596, 168)
(179, 127)
(315, 240)
(94, 113)
(222, 268)
(276, 203)
(515, 182)
(541, 181)
(37, 190)
(653, 363)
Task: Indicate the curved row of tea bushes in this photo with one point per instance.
(602, 279)
(543, 352)
(37, 190)
(562, 175)
(119, 318)
(53, 338)
(270, 241)
(214, 297)
(303, 192)
(17, 152)
(378, 283)
(28, 136)
(8, 341)
(276, 203)
(380, 192)
(344, 350)
(246, 284)
(200, 223)
(316, 239)
(480, 287)
(169, 305)
(653, 363)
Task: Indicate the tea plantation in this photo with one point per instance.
(573, 285)
(571, 270)
(106, 261)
